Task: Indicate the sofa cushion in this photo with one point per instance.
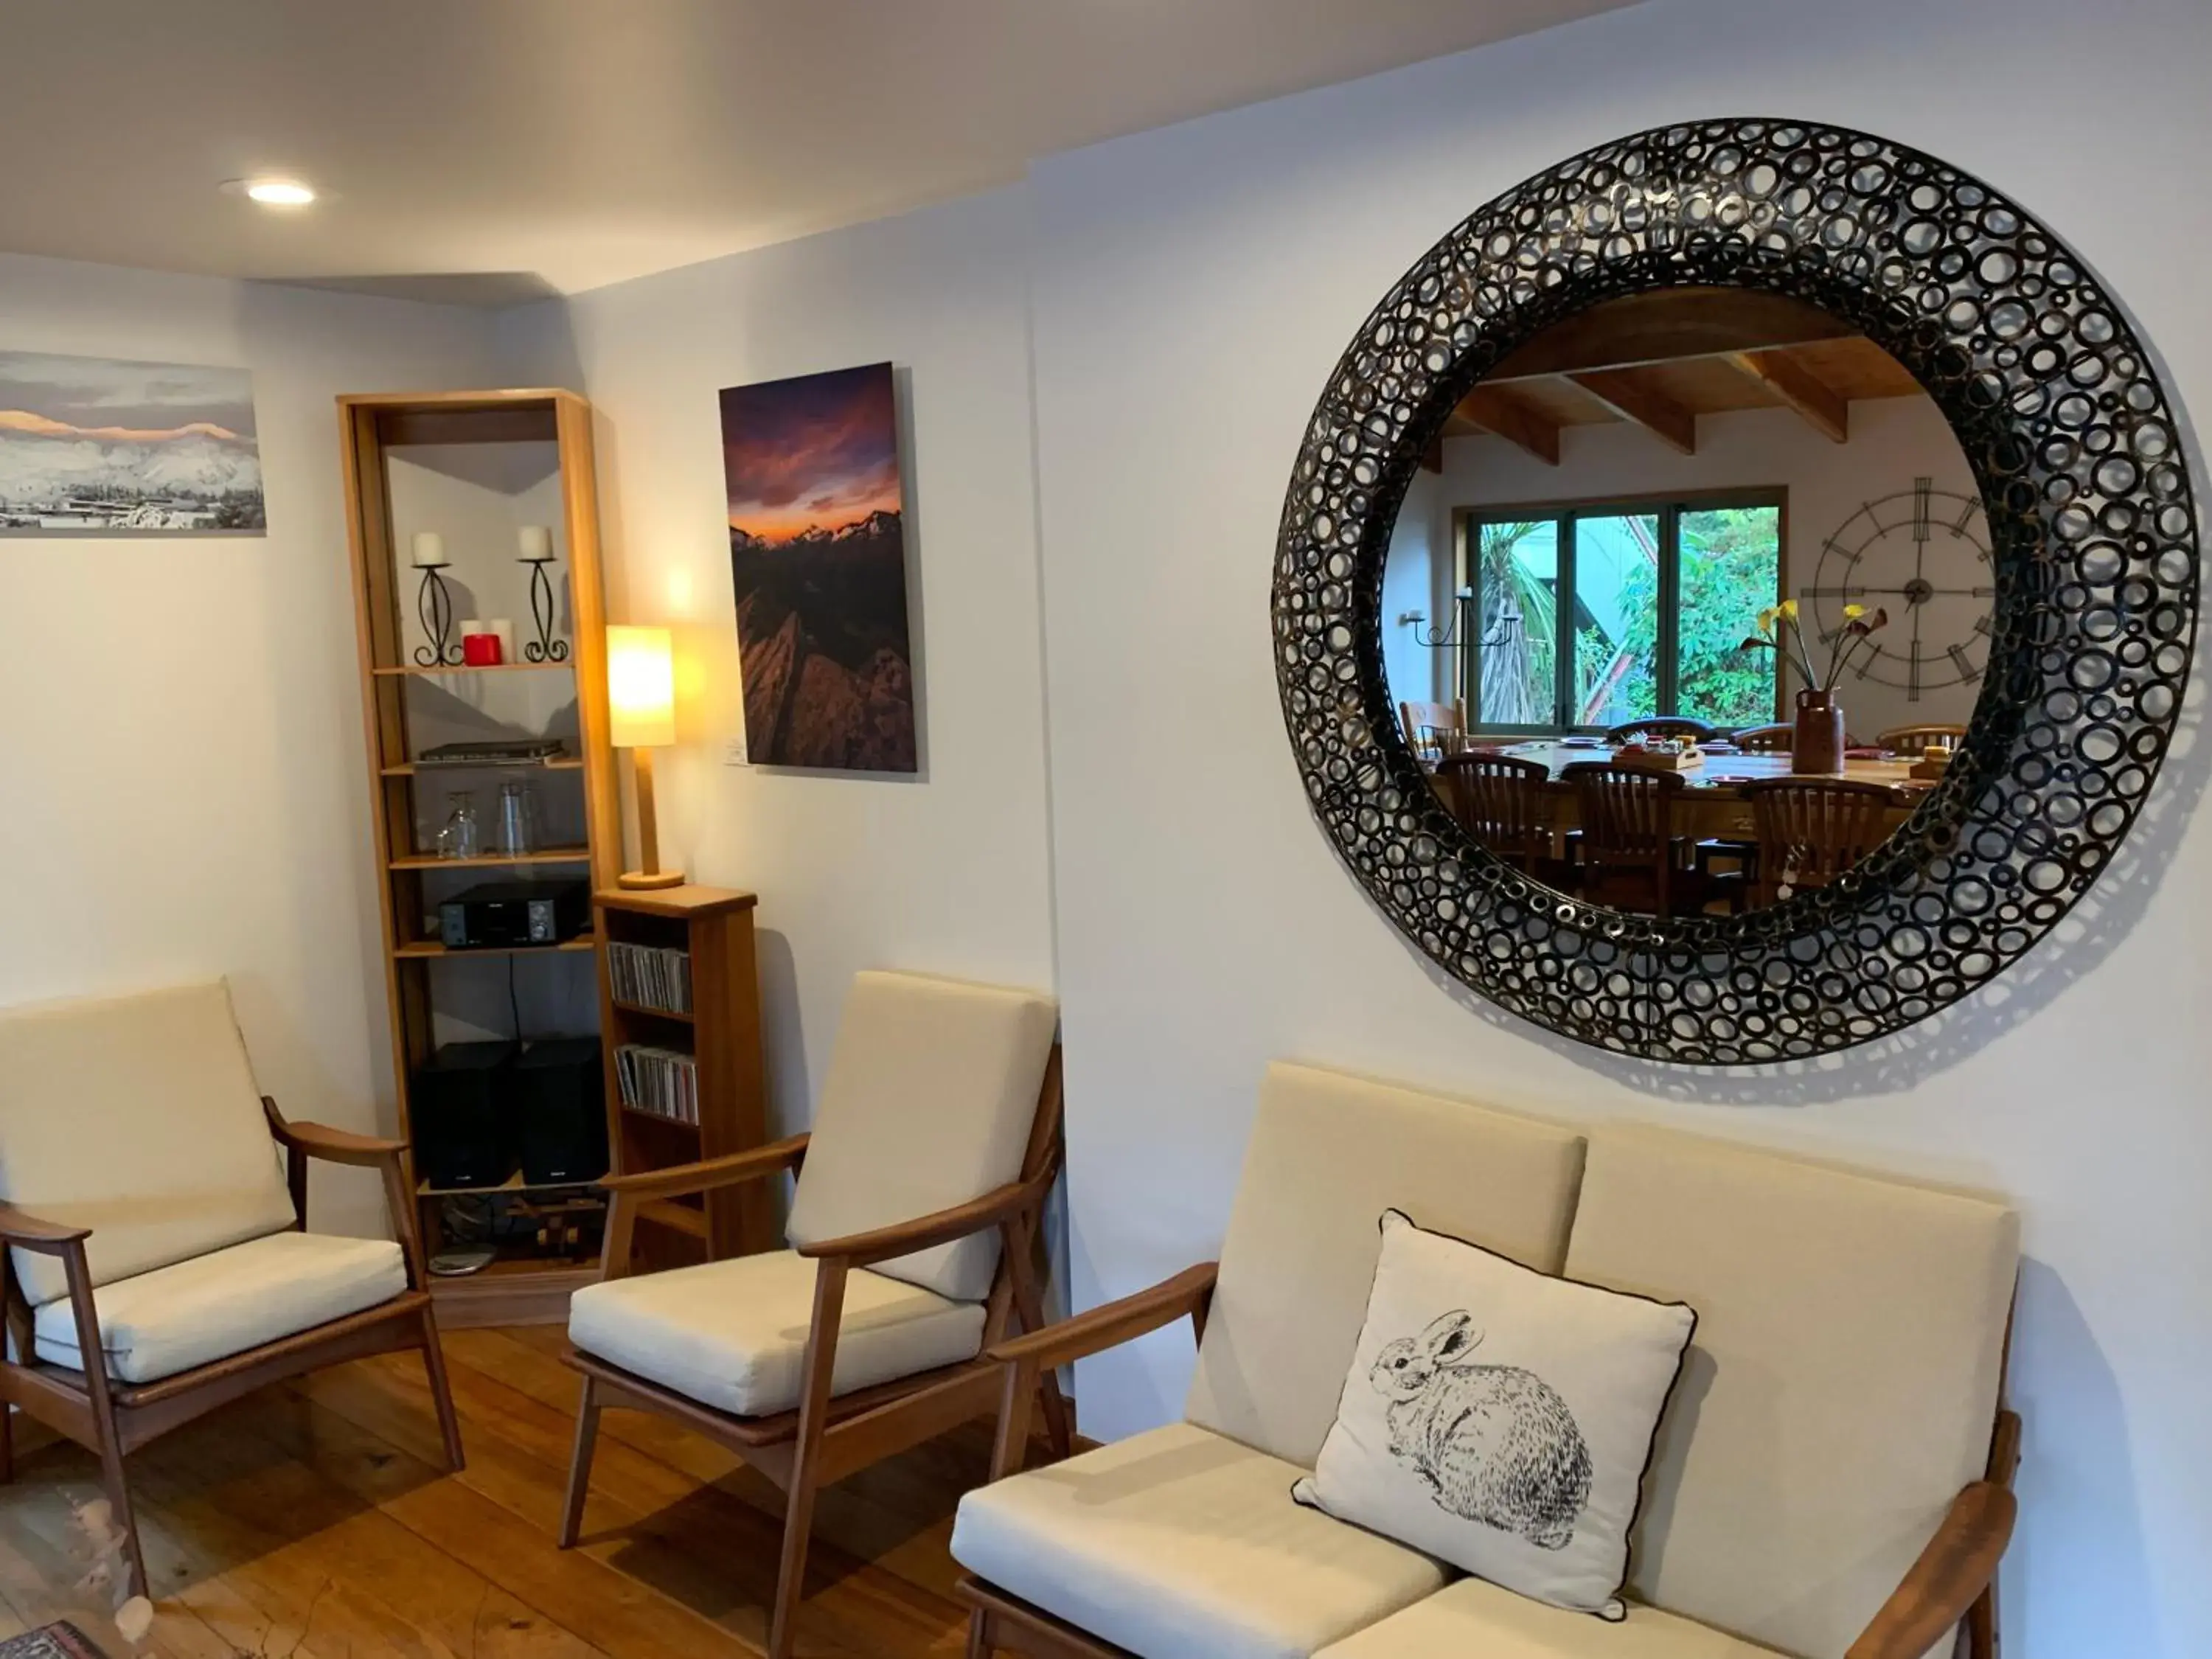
(1500, 1418)
(931, 1093)
(1841, 1388)
(137, 1117)
(732, 1334)
(1327, 1154)
(1179, 1544)
(1475, 1620)
(195, 1312)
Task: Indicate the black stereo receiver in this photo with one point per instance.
(500, 914)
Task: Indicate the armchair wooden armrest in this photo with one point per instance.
(1026, 1359)
(925, 1232)
(332, 1145)
(47, 1237)
(1186, 1295)
(1947, 1580)
(711, 1173)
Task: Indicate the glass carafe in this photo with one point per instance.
(517, 830)
(462, 837)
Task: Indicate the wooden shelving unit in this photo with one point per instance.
(721, 1033)
(380, 432)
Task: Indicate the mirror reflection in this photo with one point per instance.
(1690, 602)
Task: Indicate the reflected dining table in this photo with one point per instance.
(1712, 803)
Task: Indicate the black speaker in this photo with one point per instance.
(561, 1103)
(463, 1120)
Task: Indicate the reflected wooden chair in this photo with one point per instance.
(1503, 804)
(158, 1263)
(1774, 739)
(1664, 725)
(1433, 727)
(1910, 742)
(1810, 831)
(1630, 854)
(913, 1236)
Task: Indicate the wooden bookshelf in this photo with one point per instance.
(377, 432)
(721, 1032)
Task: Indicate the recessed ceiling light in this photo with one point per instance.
(272, 192)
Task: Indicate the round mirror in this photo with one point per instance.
(1690, 603)
(1673, 433)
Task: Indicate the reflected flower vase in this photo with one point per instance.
(1817, 743)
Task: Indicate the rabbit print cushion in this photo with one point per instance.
(1499, 1419)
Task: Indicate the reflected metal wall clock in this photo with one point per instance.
(1921, 555)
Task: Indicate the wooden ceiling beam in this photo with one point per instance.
(1798, 388)
(1634, 397)
(1513, 420)
(1668, 324)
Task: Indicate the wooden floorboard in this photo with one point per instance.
(315, 1520)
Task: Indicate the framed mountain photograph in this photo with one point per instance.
(89, 445)
(817, 558)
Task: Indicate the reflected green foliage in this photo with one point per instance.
(1519, 610)
(1730, 558)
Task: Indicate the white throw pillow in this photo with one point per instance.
(1499, 1419)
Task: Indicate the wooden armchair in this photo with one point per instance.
(914, 1232)
(158, 1265)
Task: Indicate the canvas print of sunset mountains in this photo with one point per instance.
(87, 444)
(817, 551)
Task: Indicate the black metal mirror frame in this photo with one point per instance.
(2093, 530)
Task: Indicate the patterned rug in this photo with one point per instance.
(59, 1640)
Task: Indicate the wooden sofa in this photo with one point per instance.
(1830, 1479)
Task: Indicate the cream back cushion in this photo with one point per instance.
(137, 1118)
(1840, 1388)
(1328, 1154)
(932, 1093)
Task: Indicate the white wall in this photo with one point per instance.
(1193, 288)
(947, 872)
(1893, 441)
(182, 747)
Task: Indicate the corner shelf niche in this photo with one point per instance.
(470, 464)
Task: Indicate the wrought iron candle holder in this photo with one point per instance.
(544, 648)
(435, 605)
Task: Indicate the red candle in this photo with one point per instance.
(480, 650)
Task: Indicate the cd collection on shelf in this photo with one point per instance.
(664, 1082)
(647, 976)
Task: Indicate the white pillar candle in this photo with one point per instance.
(429, 547)
(505, 629)
(536, 541)
(469, 629)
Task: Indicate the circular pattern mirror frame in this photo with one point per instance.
(2093, 527)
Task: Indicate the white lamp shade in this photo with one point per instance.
(640, 687)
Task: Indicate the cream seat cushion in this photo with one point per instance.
(213, 1306)
(1180, 1544)
(732, 1334)
(1473, 1620)
(137, 1117)
(928, 1103)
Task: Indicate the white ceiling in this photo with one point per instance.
(526, 146)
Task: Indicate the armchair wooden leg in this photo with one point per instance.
(441, 1392)
(1029, 1303)
(7, 1443)
(980, 1634)
(580, 1463)
(109, 1440)
(806, 1455)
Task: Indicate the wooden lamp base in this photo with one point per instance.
(648, 834)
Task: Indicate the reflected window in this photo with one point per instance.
(1589, 617)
